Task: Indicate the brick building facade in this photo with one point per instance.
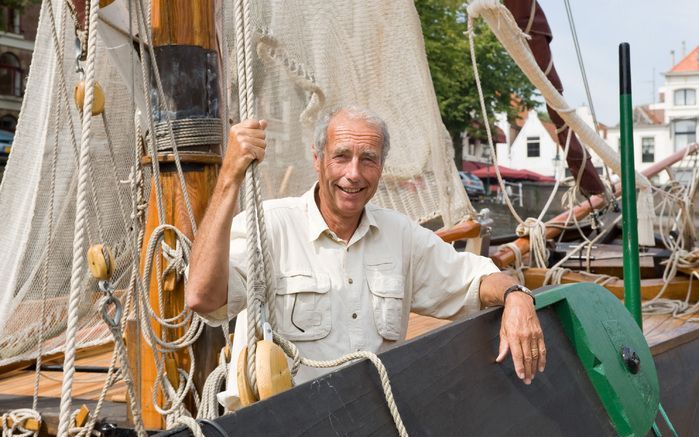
(17, 34)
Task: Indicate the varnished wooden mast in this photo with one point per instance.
(184, 42)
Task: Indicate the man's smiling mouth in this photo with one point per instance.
(350, 190)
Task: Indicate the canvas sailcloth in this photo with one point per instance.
(311, 55)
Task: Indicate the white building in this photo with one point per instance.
(536, 147)
(668, 126)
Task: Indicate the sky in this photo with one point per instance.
(652, 28)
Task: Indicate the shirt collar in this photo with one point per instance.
(317, 225)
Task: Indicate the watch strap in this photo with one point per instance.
(521, 289)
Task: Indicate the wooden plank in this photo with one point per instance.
(650, 288)
(419, 325)
(445, 383)
(465, 229)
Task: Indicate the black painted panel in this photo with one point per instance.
(446, 384)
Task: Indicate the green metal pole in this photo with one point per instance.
(632, 276)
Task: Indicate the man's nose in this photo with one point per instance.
(353, 172)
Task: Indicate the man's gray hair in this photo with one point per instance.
(354, 113)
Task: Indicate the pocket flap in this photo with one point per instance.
(385, 284)
(303, 282)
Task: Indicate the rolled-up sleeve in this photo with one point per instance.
(445, 282)
(237, 274)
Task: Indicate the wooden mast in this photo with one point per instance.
(184, 42)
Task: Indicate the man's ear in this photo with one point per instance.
(316, 161)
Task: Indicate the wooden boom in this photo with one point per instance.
(504, 256)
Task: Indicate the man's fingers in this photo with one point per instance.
(529, 356)
(251, 123)
(504, 349)
(517, 359)
(542, 354)
(250, 133)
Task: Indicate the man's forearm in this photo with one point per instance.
(207, 289)
(208, 267)
(493, 288)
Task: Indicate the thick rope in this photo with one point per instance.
(188, 132)
(209, 405)
(175, 398)
(80, 221)
(19, 418)
(292, 351)
(505, 28)
(257, 274)
(534, 228)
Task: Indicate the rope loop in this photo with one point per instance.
(14, 422)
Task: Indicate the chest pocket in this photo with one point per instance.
(387, 293)
(302, 306)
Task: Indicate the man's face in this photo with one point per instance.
(349, 171)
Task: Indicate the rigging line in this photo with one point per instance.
(578, 52)
(581, 63)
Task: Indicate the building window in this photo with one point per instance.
(685, 97)
(11, 21)
(10, 75)
(685, 133)
(647, 149)
(533, 147)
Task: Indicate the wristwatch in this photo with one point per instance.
(521, 289)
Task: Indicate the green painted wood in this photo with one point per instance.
(599, 328)
(632, 275)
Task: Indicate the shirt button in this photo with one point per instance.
(350, 280)
(354, 315)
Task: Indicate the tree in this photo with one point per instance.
(505, 88)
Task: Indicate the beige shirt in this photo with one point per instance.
(335, 297)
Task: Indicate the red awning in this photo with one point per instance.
(470, 166)
(511, 174)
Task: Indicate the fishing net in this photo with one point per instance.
(311, 55)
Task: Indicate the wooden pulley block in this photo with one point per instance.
(98, 101)
(273, 375)
(100, 261)
(272, 369)
(247, 397)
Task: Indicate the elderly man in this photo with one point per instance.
(348, 273)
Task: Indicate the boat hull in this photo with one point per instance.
(445, 384)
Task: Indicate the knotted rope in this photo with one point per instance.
(13, 422)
